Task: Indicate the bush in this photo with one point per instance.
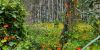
(37, 38)
(12, 15)
(81, 35)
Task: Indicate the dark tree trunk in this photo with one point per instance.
(69, 5)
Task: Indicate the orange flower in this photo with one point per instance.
(58, 48)
(6, 37)
(78, 48)
(13, 37)
(6, 25)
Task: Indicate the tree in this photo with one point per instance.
(70, 14)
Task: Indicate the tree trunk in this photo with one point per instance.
(69, 5)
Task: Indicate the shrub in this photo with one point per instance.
(12, 15)
(83, 27)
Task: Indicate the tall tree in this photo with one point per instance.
(70, 6)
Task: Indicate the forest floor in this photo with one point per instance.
(47, 35)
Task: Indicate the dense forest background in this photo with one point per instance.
(49, 24)
(45, 10)
(49, 10)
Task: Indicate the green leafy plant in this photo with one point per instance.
(12, 15)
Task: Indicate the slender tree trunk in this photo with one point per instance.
(68, 19)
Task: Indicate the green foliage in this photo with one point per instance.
(37, 37)
(82, 27)
(71, 45)
(12, 15)
(82, 33)
(23, 45)
(56, 22)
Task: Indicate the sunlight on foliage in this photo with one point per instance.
(82, 27)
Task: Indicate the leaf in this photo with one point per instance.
(13, 15)
(1, 12)
(11, 43)
(6, 48)
(2, 41)
(1, 44)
